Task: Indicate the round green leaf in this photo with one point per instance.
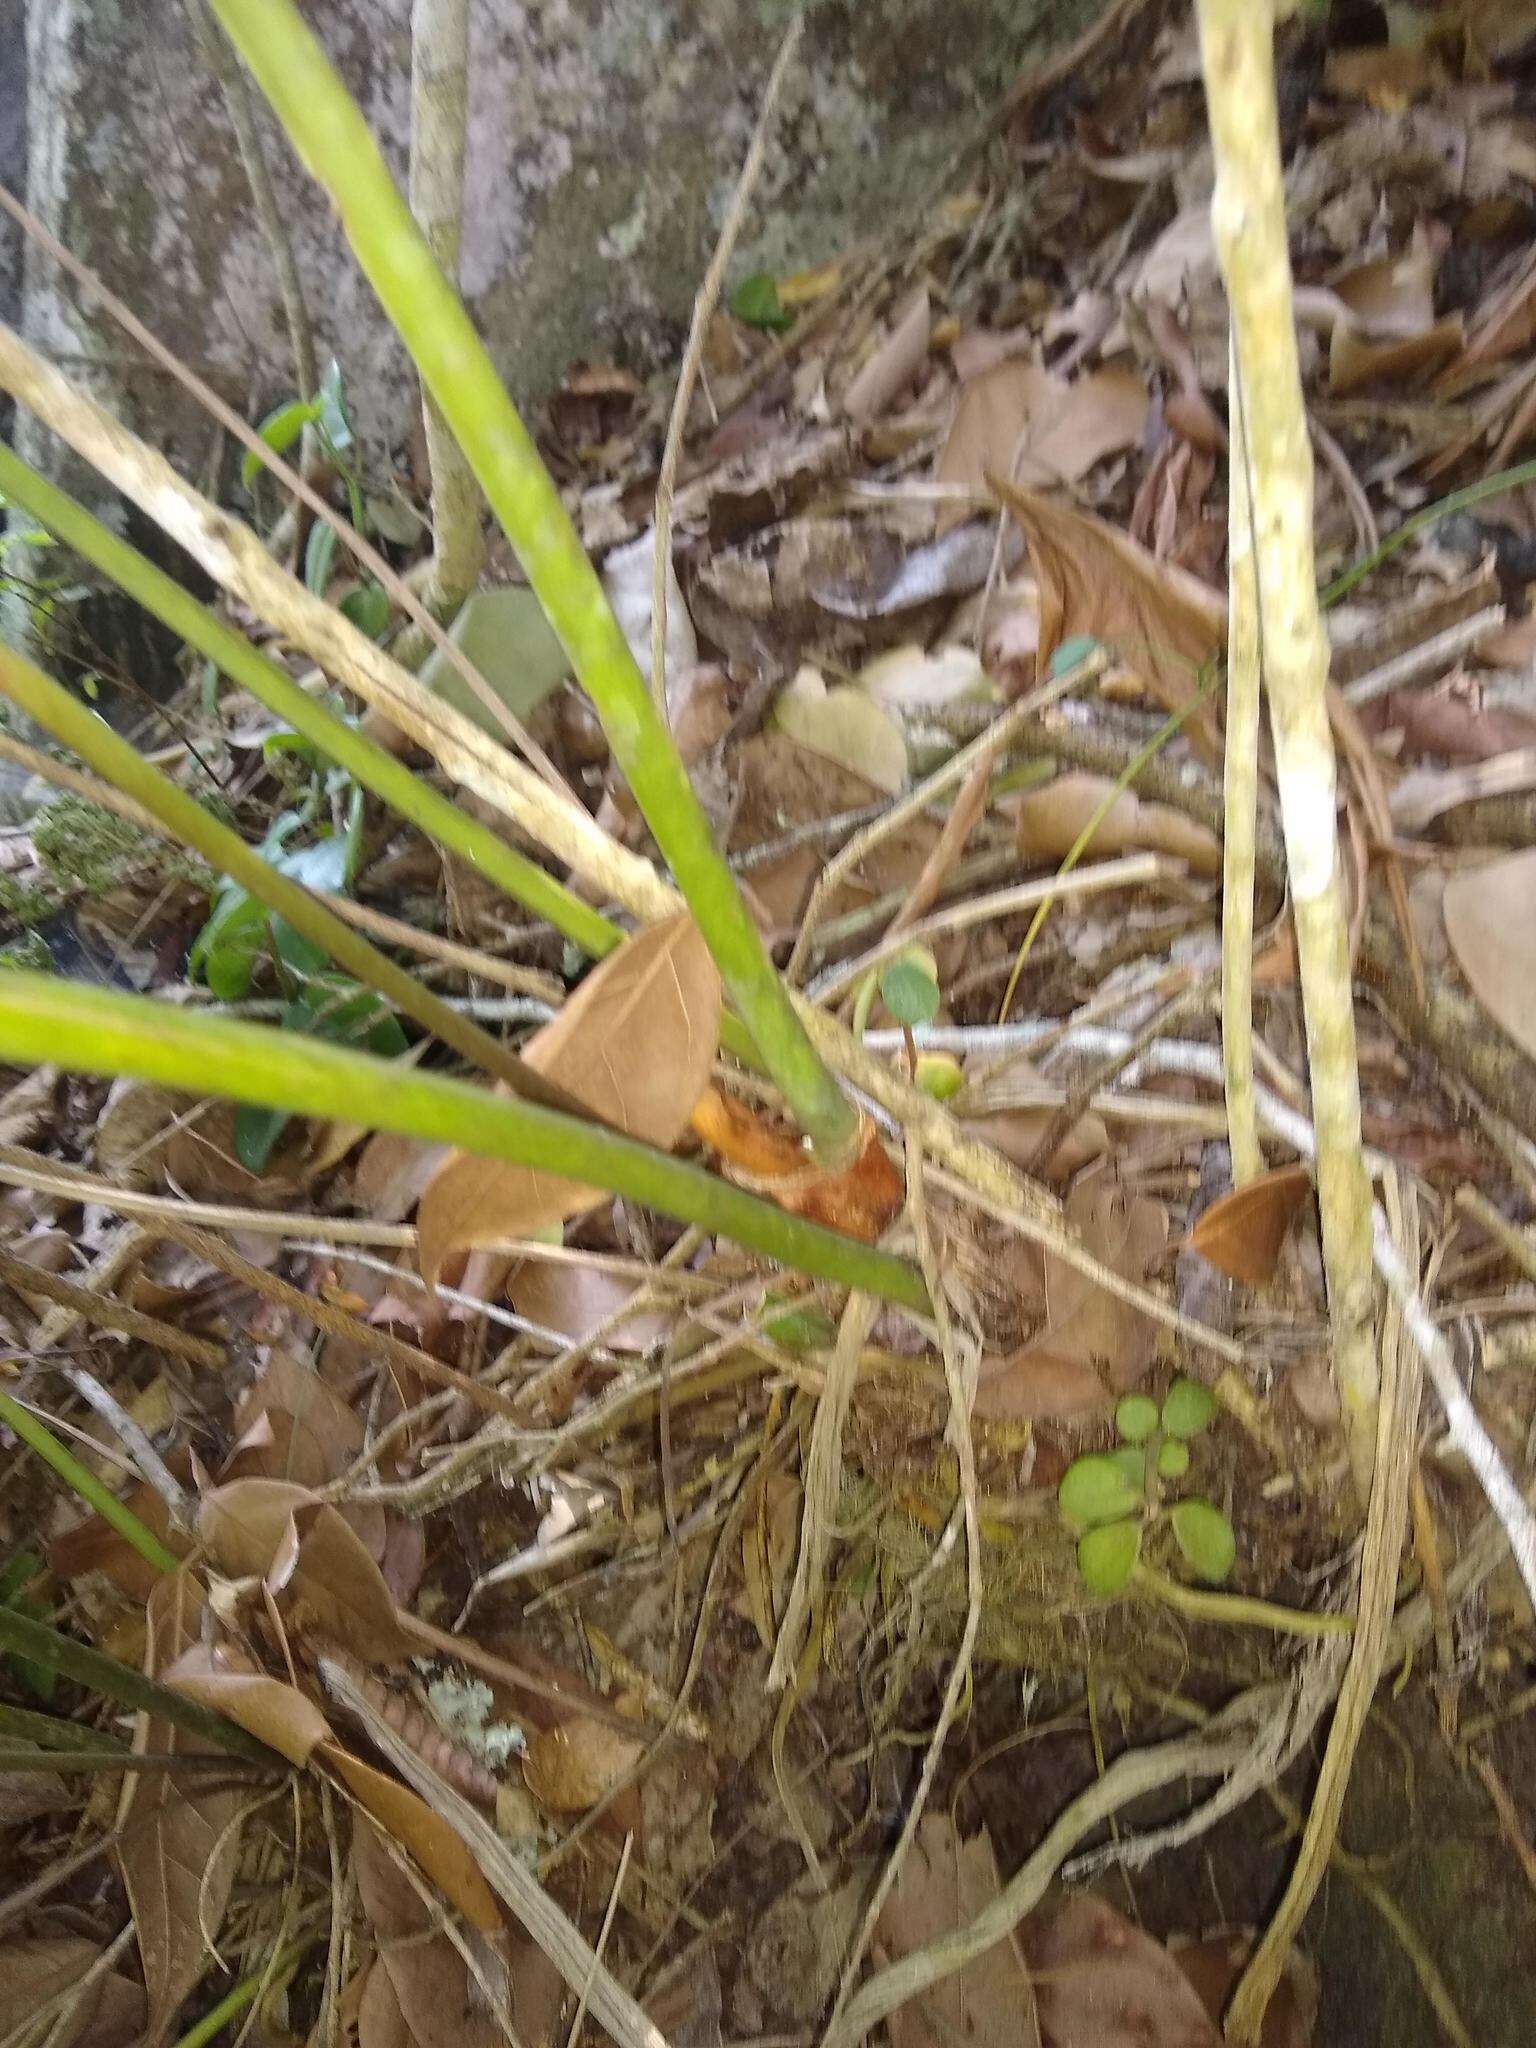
(1205, 1536)
(1172, 1458)
(1136, 1418)
(1107, 1556)
(909, 992)
(1188, 1408)
(1096, 1489)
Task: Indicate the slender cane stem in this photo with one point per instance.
(184, 818)
(331, 136)
(99, 1031)
(1240, 801)
(1248, 221)
(373, 766)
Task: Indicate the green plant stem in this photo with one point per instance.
(99, 1673)
(49, 1731)
(102, 1756)
(238, 1999)
(185, 819)
(333, 140)
(1238, 1610)
(37, 1436)
(100, 1031)
(1419, 522)
(371, 765)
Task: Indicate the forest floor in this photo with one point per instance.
(943, 656)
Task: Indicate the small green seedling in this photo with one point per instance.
(756, 301)
(1115, 1497)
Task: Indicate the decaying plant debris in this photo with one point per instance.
(888, 1566)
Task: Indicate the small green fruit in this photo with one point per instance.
(1172, 1458)
(939, 1075)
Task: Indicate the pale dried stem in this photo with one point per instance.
(1386, 1524)
(823, 1480)
(1241, 803)
(1248, 223)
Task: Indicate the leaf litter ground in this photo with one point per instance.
(920, 482)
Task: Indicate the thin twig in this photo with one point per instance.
(960, 1369)
(984, 746)
(693, 354)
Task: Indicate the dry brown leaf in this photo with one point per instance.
(1393, 296)
(429, 1978)
(636, 1044)
(1050, 820)
(782, 784)
(93, 1546)
(1036, 428)
(570, 1766)
(1093, 1346)
(1242, 1232)
(990, 2002)
(575, 1299)
(391, 1174)
(408, 1820)
(1213, 1965)
(1102, 1983)
(1387, 77)
(320, 1435)
(34, 1972)
(271, 1530)
(380, 2022)
(1489, 922)
(845, 725)
(1162, 622)
(277, 1714)
(894, 364)
(179, 1847)
(1354, 361)
(1017, 1132)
